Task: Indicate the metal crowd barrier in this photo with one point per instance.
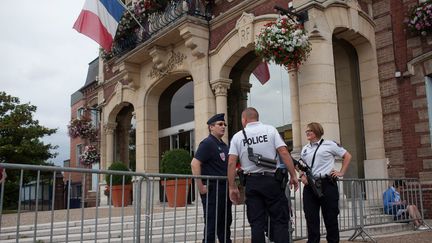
(150, 218)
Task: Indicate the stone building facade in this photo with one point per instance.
(205, 57)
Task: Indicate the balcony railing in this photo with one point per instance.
(156, 22)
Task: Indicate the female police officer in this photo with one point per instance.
(319, 155)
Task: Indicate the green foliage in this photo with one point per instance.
(118, 179)
(176, 161)
(20, 143)
(20, 134)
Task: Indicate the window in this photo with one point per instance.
(428, 84)
(94, 113)
(80, 113)
(94, 180)
(78, 152)
(66, 163)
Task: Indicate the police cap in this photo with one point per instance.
(215, 118)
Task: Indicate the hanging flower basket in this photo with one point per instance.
(283, 42)
(81, 128)
(420, 19)
(90, 155)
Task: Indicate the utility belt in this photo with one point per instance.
(280, 175)
(264, 173)
(324, 179)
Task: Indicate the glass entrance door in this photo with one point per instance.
(177, 137)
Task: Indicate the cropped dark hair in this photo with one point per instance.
(250, 114)
(316, 128)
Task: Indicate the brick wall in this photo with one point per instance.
(406, 121)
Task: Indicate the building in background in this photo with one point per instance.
(367, 80)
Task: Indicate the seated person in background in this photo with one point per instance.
(399, 209)
(2, 175)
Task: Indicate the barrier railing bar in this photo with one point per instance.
(97, 208)
(53, 205)
(68, 206)
(36, 205)
(19, 204)
(122, 207)
(147, 211)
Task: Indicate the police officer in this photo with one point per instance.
(211, 159)
(264, 194)
(322, 167)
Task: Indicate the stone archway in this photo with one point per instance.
(350, 111)
(318, 96)
(150, 120)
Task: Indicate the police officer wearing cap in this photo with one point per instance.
(264, 194)
(322, 167)
(211, 159)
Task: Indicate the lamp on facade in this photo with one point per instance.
(189, 106)
(296, 17)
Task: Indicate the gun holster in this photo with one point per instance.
(281, 175)
(242, 177)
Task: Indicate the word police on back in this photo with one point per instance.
(255, 140)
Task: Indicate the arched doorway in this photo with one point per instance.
(176, 117)
(349, 99)
(271, 99)
(125, 137)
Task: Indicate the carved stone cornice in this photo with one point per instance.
(173, 60)
(129, 72)
(196, 38)
(221, 86)
(159, 56)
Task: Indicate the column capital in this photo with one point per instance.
(245, 89)
(221, 86)
(109, 127)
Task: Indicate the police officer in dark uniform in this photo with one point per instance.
(319, 155)
(211, 159)
(264, 193)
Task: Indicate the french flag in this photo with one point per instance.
(99, 20)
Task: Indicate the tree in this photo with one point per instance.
(20, 140)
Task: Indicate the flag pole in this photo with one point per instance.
(133, 15)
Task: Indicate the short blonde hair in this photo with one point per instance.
(316, 128)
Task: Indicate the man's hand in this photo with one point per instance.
(294, 182)
(202, 189)
(234, 195)
(304, 180)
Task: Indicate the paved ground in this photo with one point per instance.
(408, 236)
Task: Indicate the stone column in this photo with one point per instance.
(317, 90)
(295, 113)
(220, 87)
(109, 132)
(244, 90)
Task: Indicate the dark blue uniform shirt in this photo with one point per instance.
(213, 155)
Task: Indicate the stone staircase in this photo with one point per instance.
(164, 228)
(182, 225)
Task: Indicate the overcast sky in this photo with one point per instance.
(43, 60)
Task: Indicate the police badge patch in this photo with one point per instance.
(222, 156)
